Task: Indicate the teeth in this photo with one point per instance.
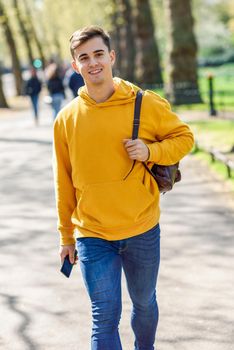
(95, 71)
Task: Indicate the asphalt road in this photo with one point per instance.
(42, 310)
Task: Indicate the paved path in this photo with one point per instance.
(41, 310)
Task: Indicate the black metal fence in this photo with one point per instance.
(217, 101)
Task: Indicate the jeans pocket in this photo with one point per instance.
(90, 249)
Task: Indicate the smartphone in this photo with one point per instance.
(67, 266)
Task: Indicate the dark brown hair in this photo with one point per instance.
(82, 35)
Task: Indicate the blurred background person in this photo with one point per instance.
(33, 89)
(75, 82)
(55, 87)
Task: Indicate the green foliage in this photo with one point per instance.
(61, 19)
(55, 21)
(223, 89)
(223, 82)
(213, 26)
(223, 77)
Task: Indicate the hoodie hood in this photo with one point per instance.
(125, 92)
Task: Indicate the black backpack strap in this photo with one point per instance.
(137, 111)
(136, 122)
(136, 125)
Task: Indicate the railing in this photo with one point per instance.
(218, 99)
(216, 155)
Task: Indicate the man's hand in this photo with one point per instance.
(136, 149)
(67, 250)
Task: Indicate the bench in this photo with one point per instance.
(216, 155)
(221, 157)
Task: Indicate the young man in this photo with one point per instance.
(115, 216)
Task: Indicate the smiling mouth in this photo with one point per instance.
(96, 71)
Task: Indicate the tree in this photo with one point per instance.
(115, 33)
(129, 47)
(123, 38)
(12, 48)
(34, 33)
(24, 32)
(148, 66)
(3, 101)
(182, 87)
(55, 28)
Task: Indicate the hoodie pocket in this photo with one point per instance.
(115, 204)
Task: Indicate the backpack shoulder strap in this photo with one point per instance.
(137, 112)
(136, 122)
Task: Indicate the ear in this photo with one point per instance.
(74, 66)
(112, 57)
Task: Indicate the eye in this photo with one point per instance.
(99, 54)
(83, 59)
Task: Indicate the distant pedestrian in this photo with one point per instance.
(55, 87)
(33, 89)
(75, 82)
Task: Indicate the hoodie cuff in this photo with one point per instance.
(154, 152)
(67, 237)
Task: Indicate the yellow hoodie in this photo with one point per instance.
(90, 163)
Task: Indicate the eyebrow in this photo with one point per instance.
(85, 54)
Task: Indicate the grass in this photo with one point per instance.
(223, 82)
(218, 134)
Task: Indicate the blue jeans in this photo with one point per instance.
(56, 103)
(34, 100)
(101, 264)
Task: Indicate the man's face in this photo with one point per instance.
(94, 62)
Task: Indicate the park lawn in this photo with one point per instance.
(223, 82)
(223, 77)
(223, 89)
(218, 134)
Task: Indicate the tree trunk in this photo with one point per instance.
(12, 47)
(34, 34)
(24, 33)
(57, 44)
(148, 65)
(3, 101)
(116, 37)
(128, 40)
(182, 87)
(123, 39)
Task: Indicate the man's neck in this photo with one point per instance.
(101, 93)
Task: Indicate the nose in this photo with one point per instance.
(92, 62)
